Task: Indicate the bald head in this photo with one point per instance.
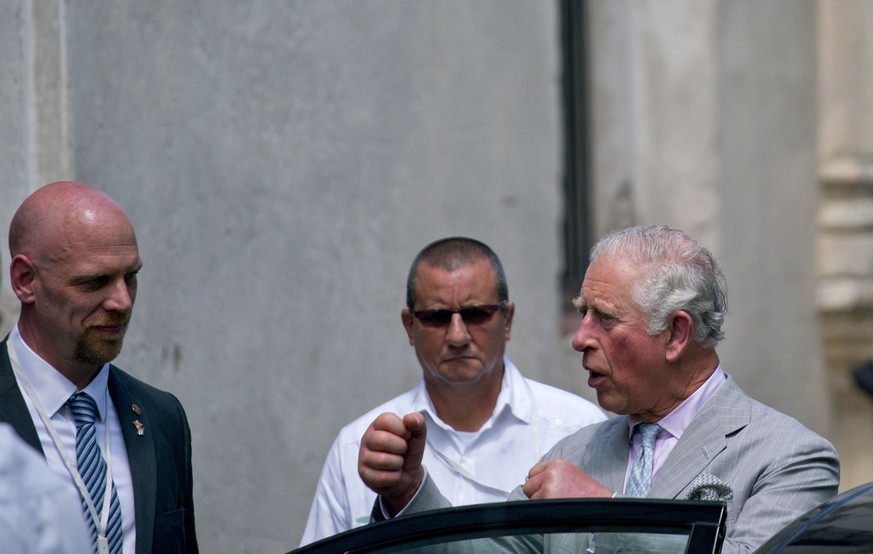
(50, 217)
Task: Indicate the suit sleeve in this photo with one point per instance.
(806, 474)
(190, 532)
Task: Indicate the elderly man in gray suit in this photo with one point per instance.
(653, 303)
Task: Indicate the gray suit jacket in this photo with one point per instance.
(776, 468)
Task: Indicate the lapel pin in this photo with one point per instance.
(136, 409)
(140, 428)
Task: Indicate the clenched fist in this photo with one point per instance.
(562, 479)
(389, 461)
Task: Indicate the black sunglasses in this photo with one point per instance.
(472, 315)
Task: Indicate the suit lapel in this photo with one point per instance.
(13, 409)
(703, 440)
(140, 454)
(611, 469)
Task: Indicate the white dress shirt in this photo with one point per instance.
(469, 468)
(53, 390)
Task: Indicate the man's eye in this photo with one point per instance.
(95, 283)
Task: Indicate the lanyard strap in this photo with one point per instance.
(100, 523)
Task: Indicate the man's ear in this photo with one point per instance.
(23, 274)
(407, 319)
(679, 334)
(508, 312)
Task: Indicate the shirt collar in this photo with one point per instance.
(680, 418)
(50, 385)
(513, 397)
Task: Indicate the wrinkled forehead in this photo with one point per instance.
(615, 268)
(610, 277)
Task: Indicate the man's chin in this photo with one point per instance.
(606, 402)
(99, 352)
(461, 371)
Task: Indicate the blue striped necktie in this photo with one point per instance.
(641, 475)
(92, 468)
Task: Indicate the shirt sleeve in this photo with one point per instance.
(329, 513)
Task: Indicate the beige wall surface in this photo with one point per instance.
(845, 222)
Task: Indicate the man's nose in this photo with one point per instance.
(582, 338)
(120, 298)
(457, 333)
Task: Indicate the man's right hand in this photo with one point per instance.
(389, 461)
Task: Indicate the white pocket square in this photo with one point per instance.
(709, 487)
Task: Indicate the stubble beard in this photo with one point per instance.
(92, 349)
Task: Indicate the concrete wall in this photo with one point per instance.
(283, 162)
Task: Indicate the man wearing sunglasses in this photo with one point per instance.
(487, 424)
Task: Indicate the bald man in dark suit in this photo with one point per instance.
(74, 269)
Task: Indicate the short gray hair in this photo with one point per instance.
(676, 273)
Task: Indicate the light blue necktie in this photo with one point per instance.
(641, 475)
(92, 468)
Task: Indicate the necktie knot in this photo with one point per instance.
(649, 433)
(84, 408)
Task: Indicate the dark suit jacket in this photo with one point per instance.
(160, 458)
